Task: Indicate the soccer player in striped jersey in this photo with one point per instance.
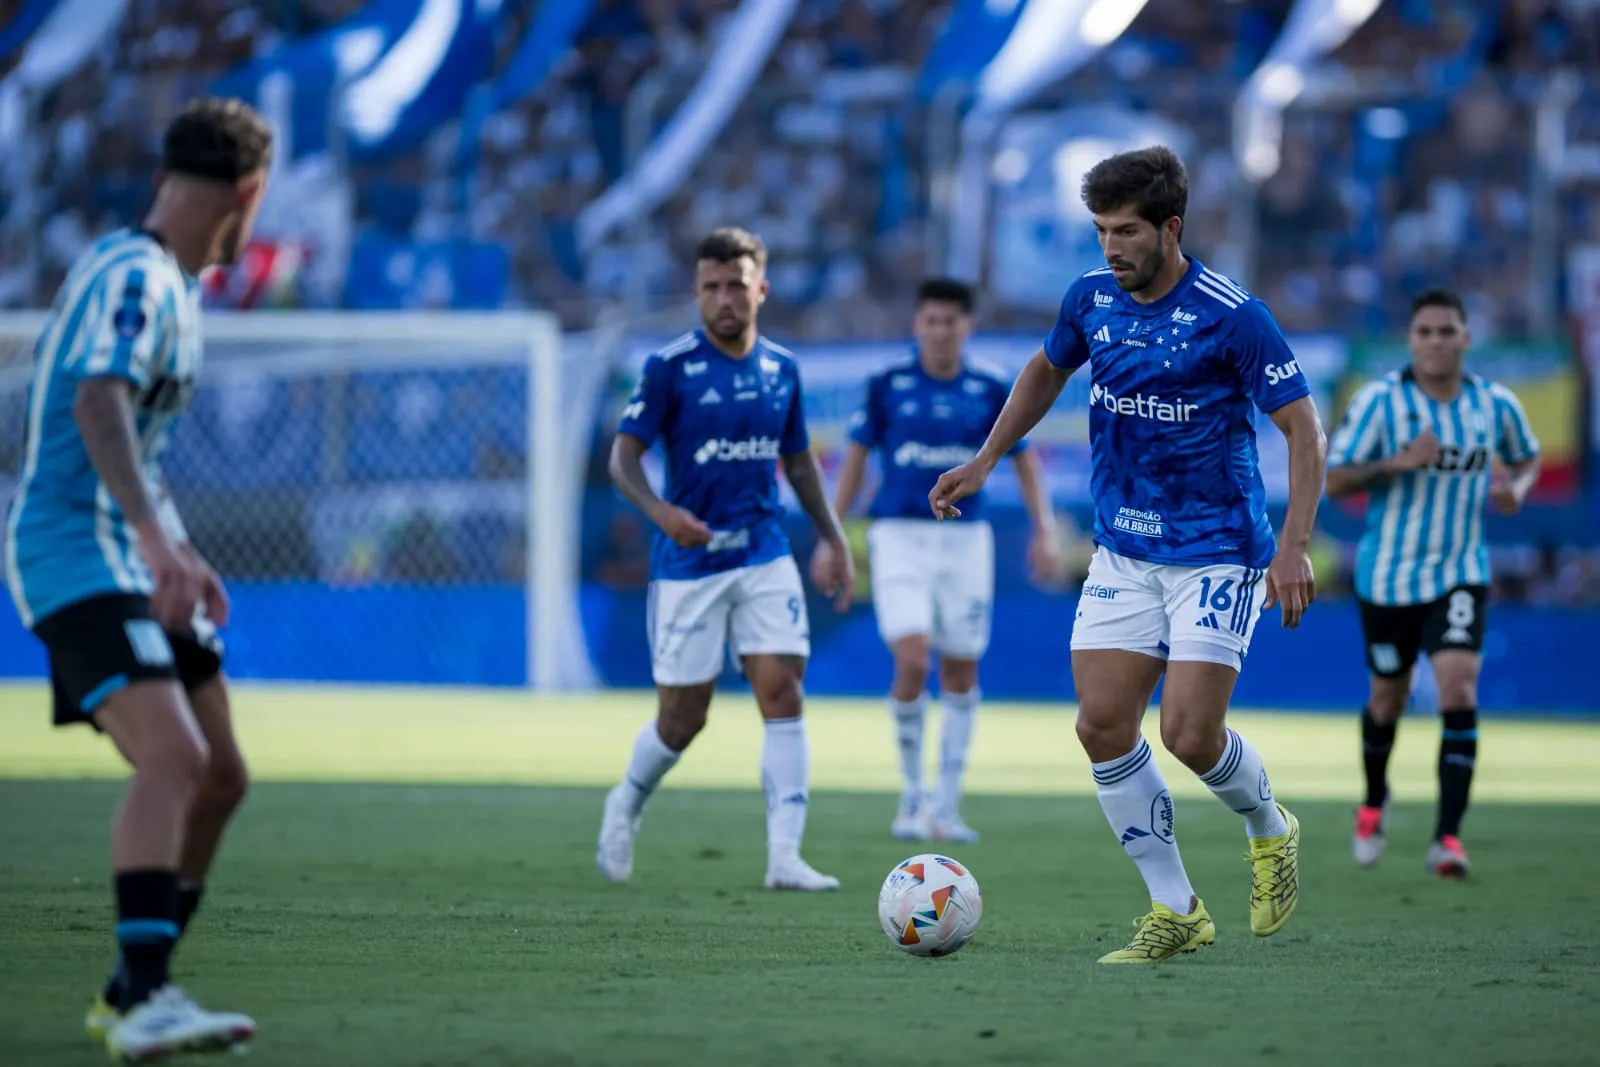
(1186, 562)
(102, 572)
(1424, 442)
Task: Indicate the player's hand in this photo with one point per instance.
(833, 569)
(1423, 451)
(1291, 582)
(1045, 561)
(180, 578)
(956, 485)
(218, 606)
(683, 526)
(1504, 496)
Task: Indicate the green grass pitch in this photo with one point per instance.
(411, 884)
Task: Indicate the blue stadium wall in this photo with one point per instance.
(476, 636)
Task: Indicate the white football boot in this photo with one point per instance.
(793, 873)
(614, 855)
(170, 1023)
(951, 828)
(911, 819)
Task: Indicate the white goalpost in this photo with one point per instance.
(390, 495)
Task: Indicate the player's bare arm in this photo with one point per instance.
(103, 410)
(832, 568)
(1422, 451)
(627, 474)
(1035, 392)
(1044, 557)
(1290, 580)
(1508, 492)
(852, 475)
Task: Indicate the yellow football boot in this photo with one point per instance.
(1164, 934)
(1274, 878)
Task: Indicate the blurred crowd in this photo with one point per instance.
(1416, 165)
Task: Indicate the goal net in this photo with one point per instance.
(390, 498)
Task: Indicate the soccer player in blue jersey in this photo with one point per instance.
(1186, 561)
(725, 404)
(1423, 442)
(933, 583)
(102, 572)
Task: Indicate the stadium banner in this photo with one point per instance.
(834, 381)
(1546, 378)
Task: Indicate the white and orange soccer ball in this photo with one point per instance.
(930, 905)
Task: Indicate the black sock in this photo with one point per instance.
(1377, 741)
(147, 928)
(188, 902)
(1458, 754)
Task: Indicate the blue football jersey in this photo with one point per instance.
(126, 310)
(722, 423)
(1176, 475)
(921, 427)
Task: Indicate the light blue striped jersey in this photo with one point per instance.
(1424, 533)
(126, 310)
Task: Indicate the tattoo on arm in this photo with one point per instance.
(104, 413)
(805, 478)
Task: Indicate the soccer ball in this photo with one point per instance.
(930, 905)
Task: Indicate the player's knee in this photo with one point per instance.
(1105, 738)
(1197, 745)
(227, 780)
(1386, 700)
(1455, 676)
(911, 666)
(780, 694)
(682, 714)
(958, 675)
(179, 761)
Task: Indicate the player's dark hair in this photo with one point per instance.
(1439, 298)
(218, 139)
(1152, 179)
(730, 243)
(947, 291)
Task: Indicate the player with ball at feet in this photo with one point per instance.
(1186, 561)
(725, 404)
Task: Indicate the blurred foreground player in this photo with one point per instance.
(725, 404)
(1423, 441)
(1186, 561)
(102, 571)
(932, 582)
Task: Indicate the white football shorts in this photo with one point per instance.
(1202, 614)
(935, 579)
(694, 622)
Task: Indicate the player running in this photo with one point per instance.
(102, 572)
(725, 404)
(1423, 441)
(933, 583)
(1186, 561)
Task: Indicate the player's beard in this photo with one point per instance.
(726, 328)
(1146, 271)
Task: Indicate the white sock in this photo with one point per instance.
(652, 759)
(958, 711)
(1241, 782)
(786, 778)
(1136, 802)
(908, 718)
